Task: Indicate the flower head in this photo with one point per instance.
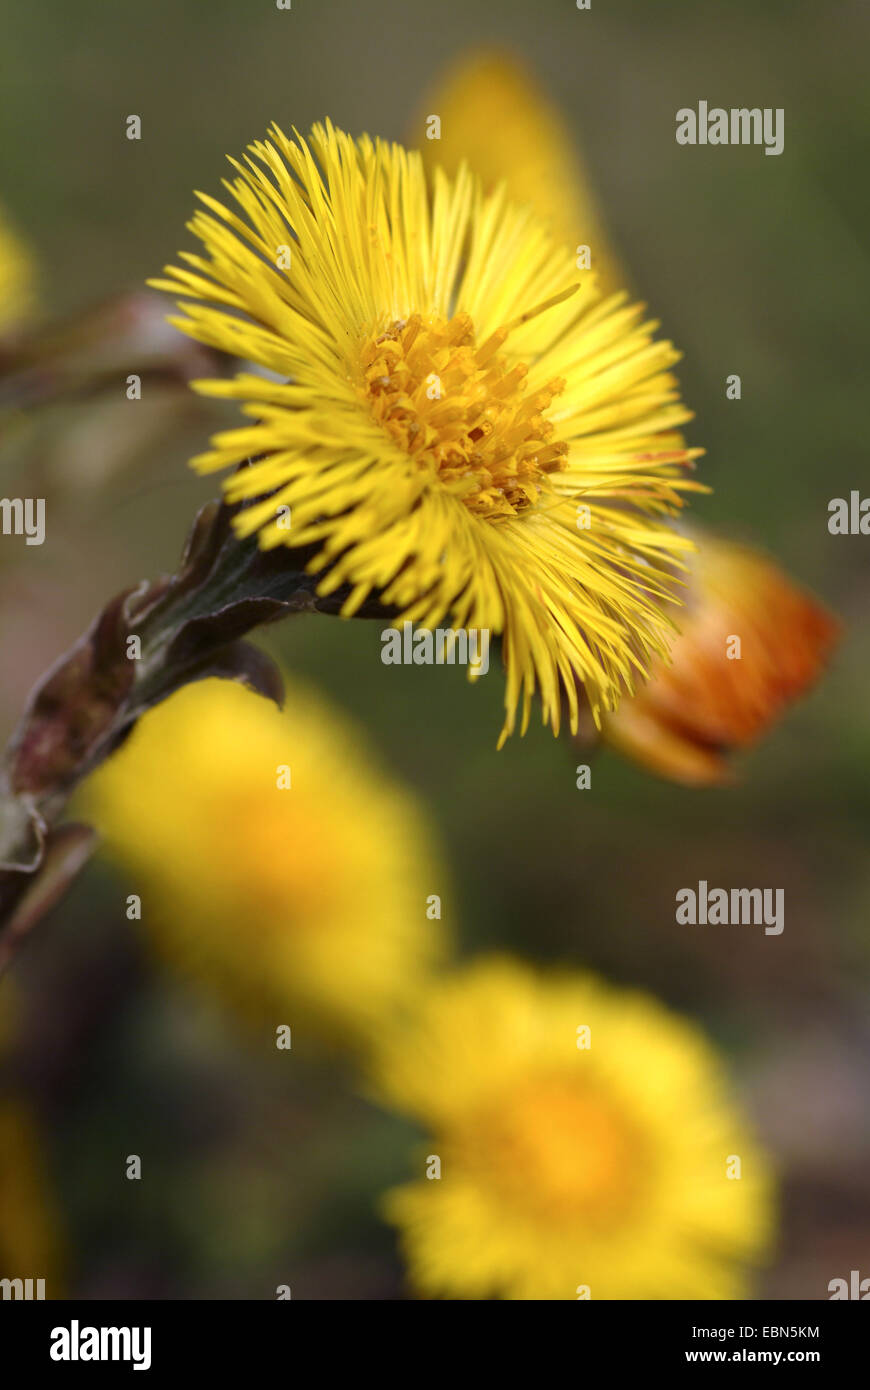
(586, 1141)
(454, 429)
(713, 698)
(274, 862)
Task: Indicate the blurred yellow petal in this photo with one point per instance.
(495, 116)
(694, 712)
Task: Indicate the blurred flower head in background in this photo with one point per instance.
(449, 405)
(586, 1141)
(276, 864)
(700, 706)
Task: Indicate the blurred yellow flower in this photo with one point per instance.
(455, 429)
(587, 1145)
(275, 863)
(17, 278)
(706, 702)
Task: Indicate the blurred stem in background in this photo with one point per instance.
(93, 350)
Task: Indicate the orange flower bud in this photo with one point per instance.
(750, 643)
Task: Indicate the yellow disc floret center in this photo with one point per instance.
(274, 853)
(558, 1150)
(463, 412)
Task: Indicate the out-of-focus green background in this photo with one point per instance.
(262, 1172)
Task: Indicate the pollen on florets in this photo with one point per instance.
(463, 411)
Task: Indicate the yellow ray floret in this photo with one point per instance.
(461, 425)
(586, 1145)
(497, 116)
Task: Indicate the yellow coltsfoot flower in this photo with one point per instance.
(585, 1141)
(462, 426)
(275, 864)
